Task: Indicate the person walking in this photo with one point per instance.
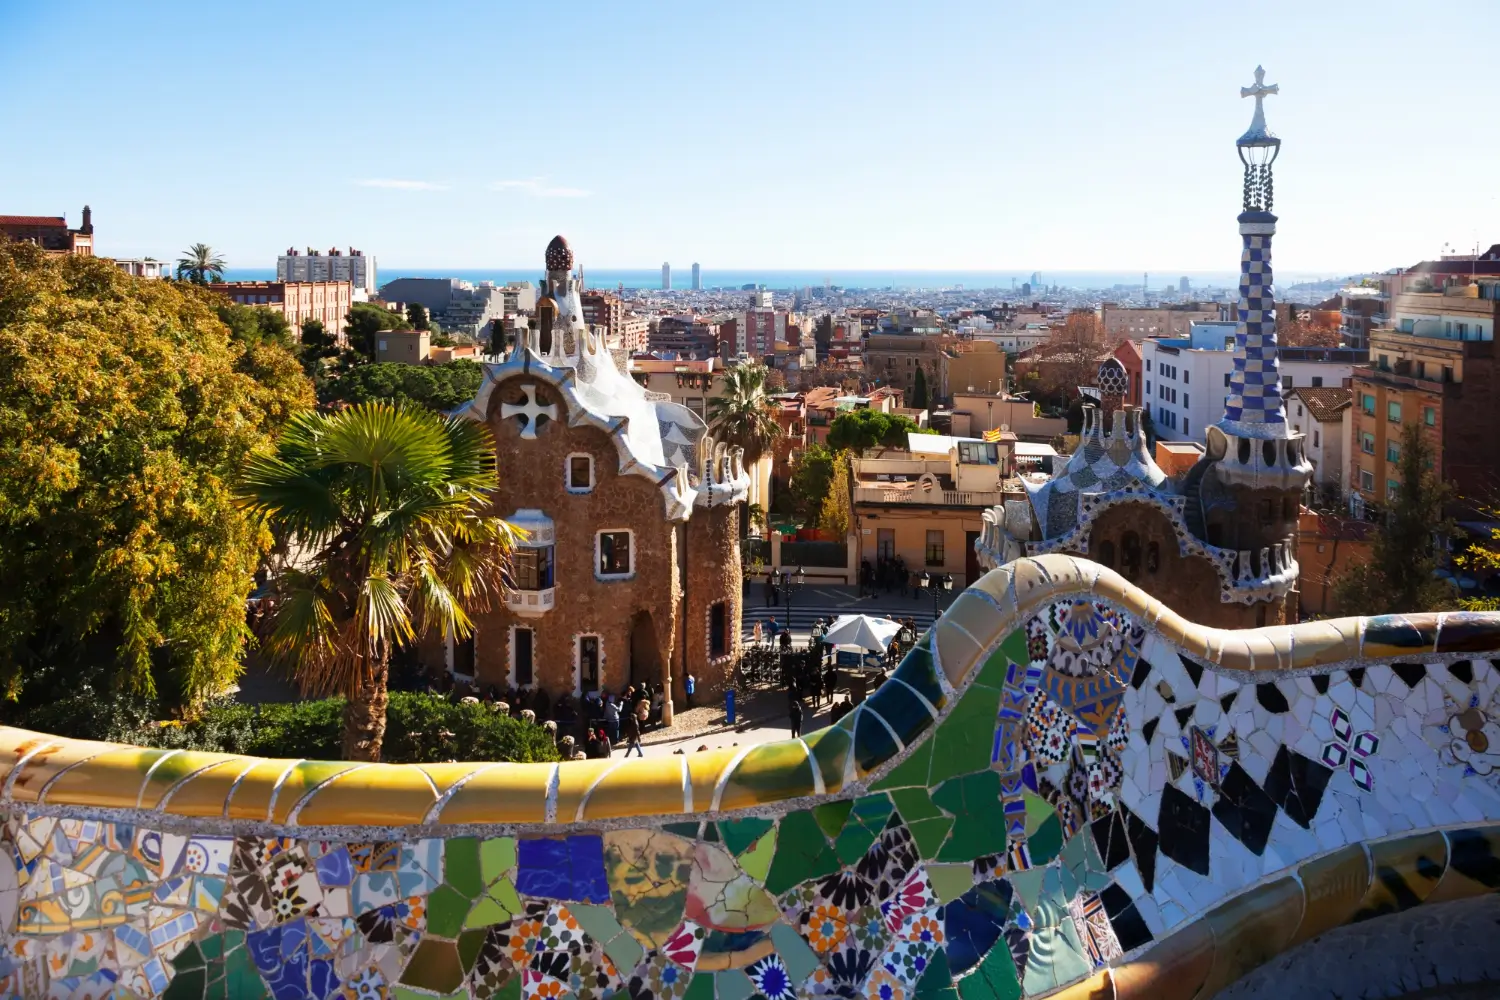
(612, 718)
(630, 725)
(794, 717)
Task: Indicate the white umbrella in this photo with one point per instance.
(873, 634)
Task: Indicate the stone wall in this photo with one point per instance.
(1065, 789)
(713, 577)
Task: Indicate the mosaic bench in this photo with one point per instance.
(1064, 789)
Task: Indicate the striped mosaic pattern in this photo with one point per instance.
(1064, 789)
(1254, 407)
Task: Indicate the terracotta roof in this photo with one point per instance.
(1129, 347)
(1325, 403)
(33, 220)
(821, 397)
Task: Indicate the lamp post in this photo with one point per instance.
(937, 585)
(790, 585)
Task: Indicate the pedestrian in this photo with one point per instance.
(757, 632)
(631, 727)
(794, 717)
(612, 718)
(830, 681)
(786, 641)
(690, 685)
(606, 746)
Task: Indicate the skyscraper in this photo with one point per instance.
(666, 277)
(1184, 285)
(697, 277)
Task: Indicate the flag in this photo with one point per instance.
(993, 435)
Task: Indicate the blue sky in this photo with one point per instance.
(871, 134)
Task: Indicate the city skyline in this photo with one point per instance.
(1047, 159)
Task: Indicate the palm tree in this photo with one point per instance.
(742, 414)
(200, 265)
(391, 506)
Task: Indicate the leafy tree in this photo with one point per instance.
(809, 482)
(742, 414)
(1303, 333)
(436, 387)
(200, 265)
(255, 324)
(1400, 577)
(392, 506)
(856, 430)
(364, 321)
(838, 505)
(416, 315)
(919, 390)
(126, 407)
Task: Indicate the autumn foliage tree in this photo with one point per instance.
(126, 408)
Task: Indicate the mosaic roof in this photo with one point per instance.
(1100, 464)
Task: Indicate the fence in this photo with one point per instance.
(831, 554)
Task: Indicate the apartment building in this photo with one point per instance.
(298, 301)
(51, 232)
(353, 267)
(1321, 415)
(1130, 322)
(1434, 368)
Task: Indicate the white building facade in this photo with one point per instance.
(336, 265)
(1186, 380)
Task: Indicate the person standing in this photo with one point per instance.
(612, 718)
(794, 717)
(690, 685)
(630, 725)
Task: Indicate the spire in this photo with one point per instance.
(1254, 407)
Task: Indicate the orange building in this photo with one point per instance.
(328, 301)
(51, 232)
(1326, 547)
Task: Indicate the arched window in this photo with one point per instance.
(1107, 553)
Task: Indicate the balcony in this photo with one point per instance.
(1389, 377)
(530, 603)
(931, 498)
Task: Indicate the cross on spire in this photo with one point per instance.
(1260, 92)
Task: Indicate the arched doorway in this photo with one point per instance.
(645, 651)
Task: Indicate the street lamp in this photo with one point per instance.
(937, 585)
(791, 585)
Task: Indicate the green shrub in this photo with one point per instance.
(420, 728)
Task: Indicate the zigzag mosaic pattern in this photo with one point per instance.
(1064, 789)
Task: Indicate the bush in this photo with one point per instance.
(420, 728)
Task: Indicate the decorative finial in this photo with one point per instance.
(1258, 134)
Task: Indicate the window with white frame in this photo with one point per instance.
(578, 472)
(612, 554)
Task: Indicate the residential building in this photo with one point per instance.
(459, 306)
(1323, 419)
(895, 358)
(697, 277)
(666, 277)
(761, 327)
(1361, 308)
(1134, 323)
(629, 571)
(1434, 368)
(353, 267)
(969, 365)
(977, 412)
(685, 337)
(607, 310)
(51, 232)
(1185, 381)
(635, 330)
(409, 347)
(1327, 546)
(925, 504)
(298, 301)
(144, 267)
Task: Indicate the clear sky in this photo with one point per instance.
(921, 134)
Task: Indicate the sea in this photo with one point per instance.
(780, 279)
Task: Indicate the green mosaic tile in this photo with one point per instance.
(446, 910)
(486, 912)
(863, 826)
(700, 987)
(1056, 958)
(918, 670)
(802, 853)
(929, 835)
(1015, 646)
(950, 881)
(709, 833)
(434, 966)
(907, 716)
(992, 674)
(873, 743)
(189, 958)
(188, 984)
(830, 749)
(598, 922)
(756, 862)
(469, 945)
(773, 771)
(831, 816)
(624, 950)
(799, 958)
(1028, 886)
(733, 985)
(996, 978)
(937, 982)
(1046, 842)
(964, 741)
(1038, 811)
(914, 804)
(739, 834)
(461, 868)
(497, 856)
(509, 990)
(688, 830)
(979, 827)
(911, 772)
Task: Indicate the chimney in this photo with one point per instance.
(88, 221)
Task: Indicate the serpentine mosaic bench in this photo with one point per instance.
(1064, 789)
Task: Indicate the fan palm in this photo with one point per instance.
(200, 265)
(742, 414)
(391, 507)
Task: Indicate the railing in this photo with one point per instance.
(942, 498)
(755, 548)
(1377, 374)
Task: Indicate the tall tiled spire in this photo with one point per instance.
(1254, 407)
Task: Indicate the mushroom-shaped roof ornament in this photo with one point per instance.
(559, 255)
